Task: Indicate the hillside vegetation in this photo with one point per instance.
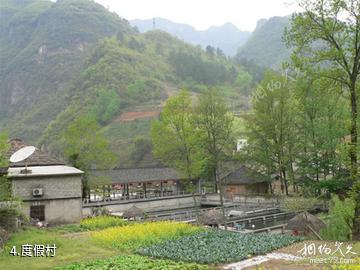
(43, 48)
(265, 45)
(70, 58)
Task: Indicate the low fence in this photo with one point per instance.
(244, 199)
(98, 199)
(147, 205)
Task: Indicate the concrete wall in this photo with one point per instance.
(55, 187)
(62, 197)
(58, 211)
(146, 205)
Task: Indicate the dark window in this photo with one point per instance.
(37, 212)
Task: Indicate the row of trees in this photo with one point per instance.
(326, 38)
(194, 139)
(305, 130)
(297, 132)
(193, 66)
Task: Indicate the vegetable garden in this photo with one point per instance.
(216, 246)
(188, 243)
(112, 243)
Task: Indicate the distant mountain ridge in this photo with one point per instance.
(266, 46)
(226, 37)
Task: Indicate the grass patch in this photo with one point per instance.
(143, 234)
(68, 228)
(102, 222)
(74, 247)
(217, 246)
(126, 130)
(133, 262)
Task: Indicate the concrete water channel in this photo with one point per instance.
(253, 219)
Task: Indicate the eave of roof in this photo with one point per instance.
(137, 175)
(39, 171)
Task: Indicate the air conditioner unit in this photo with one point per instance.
(37, 192)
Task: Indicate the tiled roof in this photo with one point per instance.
(243, 175)
(137, 175)
(39, 158)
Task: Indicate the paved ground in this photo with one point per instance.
(290, 258)
(250, 263)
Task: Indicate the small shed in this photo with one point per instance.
(244, 181)
(212, 217)
(133, 213)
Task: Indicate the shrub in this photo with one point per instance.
(4, 236)
(143, 234)
(217, 246)
(101, 222)
(298, 204)
(133, 262)
(340, 220)
(9, 215)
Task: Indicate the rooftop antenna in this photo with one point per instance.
(22, 155)
(154, 24)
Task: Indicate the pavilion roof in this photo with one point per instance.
(137, 175)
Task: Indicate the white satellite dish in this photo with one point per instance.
(22, 154)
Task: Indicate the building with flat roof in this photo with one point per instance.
(50, 190)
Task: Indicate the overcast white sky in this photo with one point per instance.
(203, 13)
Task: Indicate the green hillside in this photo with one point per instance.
(265, 45)
(43, 48)
(77, 58)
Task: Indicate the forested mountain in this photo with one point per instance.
(226, 37)
(265, 46)
(43, 48)
(70, 58)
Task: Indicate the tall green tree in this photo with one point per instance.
(215, 125)
(5, 192)
(106, 105)
(326, 37)
(86, 148)
(176, 141)
(271, 128)
(320, 114)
